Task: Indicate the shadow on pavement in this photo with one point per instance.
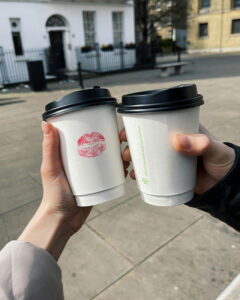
(10, 98)
(11, 102)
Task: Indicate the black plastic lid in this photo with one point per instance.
(78, 100)
(178, 97)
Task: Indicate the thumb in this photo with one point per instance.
(51, 161)
(195, 145)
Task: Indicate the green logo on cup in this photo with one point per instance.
(144, 180)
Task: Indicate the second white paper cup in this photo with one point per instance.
(164, 176)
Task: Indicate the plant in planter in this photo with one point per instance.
(86, 49)
(166, 45)
(130, 46)
(107, 47)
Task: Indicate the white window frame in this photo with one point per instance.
(118, 30)
(89, 35)
(14, 31)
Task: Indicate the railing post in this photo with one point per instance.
(98, 57)
(80, 77)
(121, 55)
(3, 67)
(179, 54)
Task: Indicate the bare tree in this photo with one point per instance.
(174, 12)
(149, 12)
(145, 16)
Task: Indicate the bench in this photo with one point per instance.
(174, 68)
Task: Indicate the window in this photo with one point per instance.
(55, 21)
(203, 30)
(17, 43)
(236, 3)
(204, 4)
(236, 26)
(89, 28)
(117, 18)
(16, 36)
(169, 20)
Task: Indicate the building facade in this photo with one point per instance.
(62, 27)
(214, 26)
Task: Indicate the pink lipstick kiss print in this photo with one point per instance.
(91, 144)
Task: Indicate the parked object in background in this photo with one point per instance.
(174, 68)
(36, 75)
(146, 54)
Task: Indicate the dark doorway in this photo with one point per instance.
(57, 60)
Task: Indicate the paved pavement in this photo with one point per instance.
(128, 249)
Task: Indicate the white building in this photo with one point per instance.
(64, 27)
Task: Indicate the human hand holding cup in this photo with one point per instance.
(58, 217)
(87, 126)
(215, 159)
(157, 120)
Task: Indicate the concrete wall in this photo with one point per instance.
(219, 18)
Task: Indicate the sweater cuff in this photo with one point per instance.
(222, 201)
(35, 273)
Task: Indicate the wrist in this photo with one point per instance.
(47, 230)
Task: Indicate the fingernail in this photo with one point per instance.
(45, 128)
(184, 141)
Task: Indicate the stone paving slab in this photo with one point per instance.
(89, 264)
(131, 191)
(15, 221)
(24, 191)
(4, 238)
(229, 131)
(217, 116)
(18, 168)
(94, 212)
(198, 264)
(136, 229)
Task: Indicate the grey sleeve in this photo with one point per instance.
(232, 291)
(29, 272)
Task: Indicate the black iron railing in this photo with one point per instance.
(106, 59)
(13, 68)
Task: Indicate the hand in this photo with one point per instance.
(57, 195)
(58, 217)
(215, 158)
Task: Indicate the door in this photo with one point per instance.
(56, 49)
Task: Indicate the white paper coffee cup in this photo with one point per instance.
(90, 147)
(164, 176)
